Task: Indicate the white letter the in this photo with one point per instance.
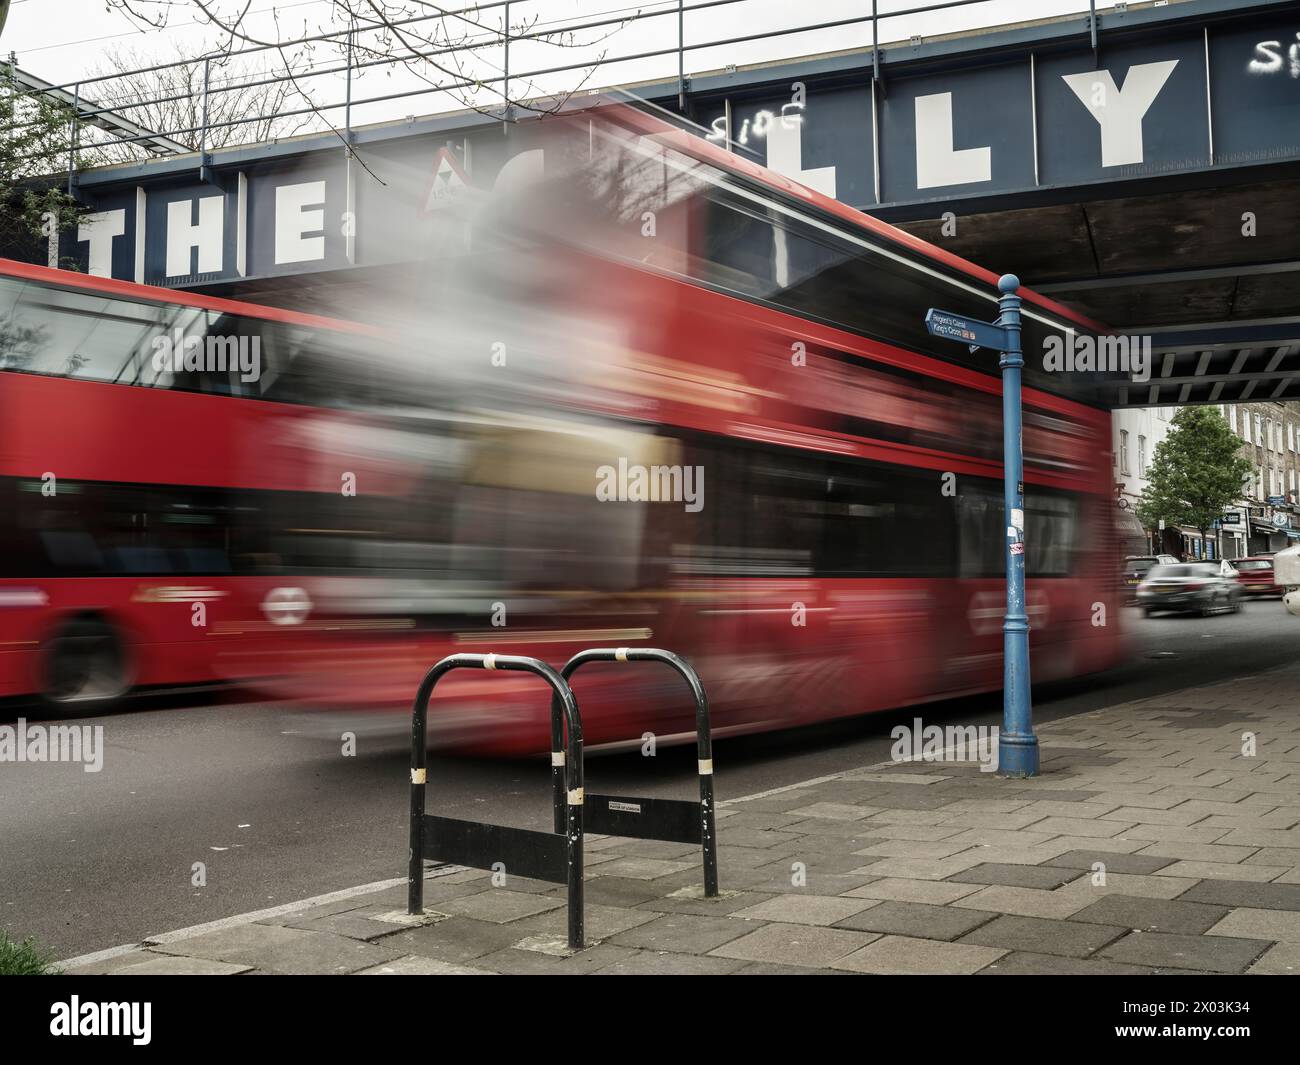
(1120, 113)
(207, 236)
(937, 162)
(99, 230)
(292, 222)
(785, 156)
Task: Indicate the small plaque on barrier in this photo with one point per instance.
(672, 820)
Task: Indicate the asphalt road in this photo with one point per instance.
(93, 860)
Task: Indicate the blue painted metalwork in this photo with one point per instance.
(1017, 744)
(886, 154)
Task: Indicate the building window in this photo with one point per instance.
(1259, 436)
(1259, 482)
(1142, 456)
(1123, 451)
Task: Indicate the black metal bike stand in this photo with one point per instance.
(553, 857)
(671, 820)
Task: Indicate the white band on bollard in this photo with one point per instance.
(557, 758)
(418, 776)
(489, 661)
(706, 767)
(575, 797)
(620, 654)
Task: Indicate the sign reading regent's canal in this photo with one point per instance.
(958, 327)
(1168, 99)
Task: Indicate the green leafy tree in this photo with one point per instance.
(34, 143)
(1195, 473)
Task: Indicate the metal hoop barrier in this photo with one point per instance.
(553, 857)
(672, 820)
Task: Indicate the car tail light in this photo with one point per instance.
(1194, 586)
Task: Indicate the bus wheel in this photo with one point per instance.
(85, 666)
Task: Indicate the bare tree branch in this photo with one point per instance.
(443, 47)
(170, 100)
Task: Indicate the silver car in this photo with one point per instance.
(1191, 587)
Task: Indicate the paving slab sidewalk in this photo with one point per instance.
(1153, 842)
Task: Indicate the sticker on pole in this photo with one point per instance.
(1018, 548)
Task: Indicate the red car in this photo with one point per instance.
(1255, 574)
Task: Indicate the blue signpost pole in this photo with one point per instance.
(1017, 744)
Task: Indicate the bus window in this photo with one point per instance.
(67, 333)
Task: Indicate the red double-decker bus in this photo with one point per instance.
(696, 407)
(160, 455)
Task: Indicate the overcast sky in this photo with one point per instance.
(65, 40)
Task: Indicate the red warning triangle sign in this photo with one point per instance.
(447, 181)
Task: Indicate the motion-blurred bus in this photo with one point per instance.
(679, 400)
(157, 453)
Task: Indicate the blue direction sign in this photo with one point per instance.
(1277, 501)
(958, 327)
